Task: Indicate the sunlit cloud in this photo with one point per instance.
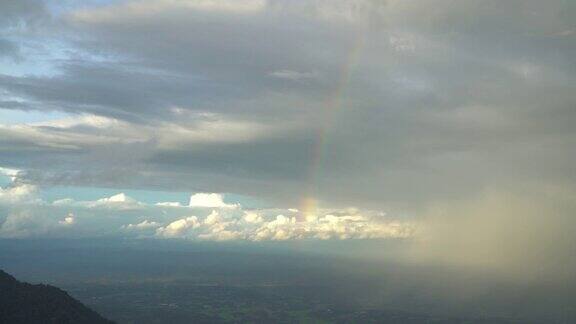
(206, 218)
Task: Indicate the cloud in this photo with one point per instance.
(192, 227)
(118, 198)
(252, 217)
(33, 223)
(145, 224)
(149, 8)
(169, 204)
(293, 75)
(68, 220)
(179, 227)
(37, 221)
(17, 193)
(9, 49)
(209, 200)
(22, 14)
(253, 226)
(119, 201)
(23, 224)
(432, 87)
(207, 218)
(12, 173)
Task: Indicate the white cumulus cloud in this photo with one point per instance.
(18, 193)
(145, 224)
(68, 220)
(210, 200)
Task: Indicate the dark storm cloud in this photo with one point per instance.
(439, 88)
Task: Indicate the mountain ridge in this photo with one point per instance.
(27, 303)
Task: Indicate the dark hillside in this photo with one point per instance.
(25, 303)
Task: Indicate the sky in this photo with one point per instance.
(448, 123)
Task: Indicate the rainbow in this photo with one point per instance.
(332, 108)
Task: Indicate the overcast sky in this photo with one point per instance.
(306, 118)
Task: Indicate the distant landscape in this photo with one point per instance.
(179, 282)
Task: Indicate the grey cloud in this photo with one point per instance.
(18, 14)
(18, 19)
(9, 49)
(435, 89)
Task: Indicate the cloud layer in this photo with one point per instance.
(207, 218)
(233, 94)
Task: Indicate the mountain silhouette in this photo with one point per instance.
(23, 303)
